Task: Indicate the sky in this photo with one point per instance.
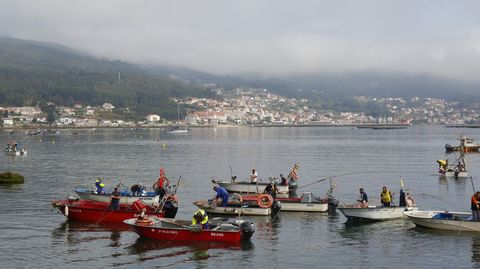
(436, 37)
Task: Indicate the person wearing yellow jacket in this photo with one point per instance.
(200, 217)
(386, 197)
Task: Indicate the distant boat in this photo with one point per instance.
(13, 148)
(178, 129)
(466, 145)
(453, 171)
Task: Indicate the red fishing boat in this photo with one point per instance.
(220, 230)
(99, 212)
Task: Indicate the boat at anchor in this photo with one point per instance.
(466, 145)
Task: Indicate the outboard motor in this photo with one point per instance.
(247, 229)
(276, 206)
(170, 208)
(332, 205)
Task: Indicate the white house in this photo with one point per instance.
(153, 118)
(7, 121)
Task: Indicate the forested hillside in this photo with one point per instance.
(33, 72)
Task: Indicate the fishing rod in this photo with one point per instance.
(165, 197)
(438, 198)
(350, 173)
(473, 186)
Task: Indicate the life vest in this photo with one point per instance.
(386, 196)
(161, 179)
(204, 220)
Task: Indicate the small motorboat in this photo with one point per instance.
(220, 230)
(264, 205)
(13, 148)
(444, 220)
(126, 197)
(466, 145)
(89, 211)
(307, 202)
(457, 170)
(374, 213)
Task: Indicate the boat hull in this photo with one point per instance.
(374, 213)
(304, 207)
(99, 212)
(182, 232)
(233, 210)
(451, 174)
(296, 204)
(459, 221)
(105, 198)
(247, 187)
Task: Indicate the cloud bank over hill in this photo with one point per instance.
(269, 37)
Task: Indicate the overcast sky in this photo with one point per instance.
(437, 37)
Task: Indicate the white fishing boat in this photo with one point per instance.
(307, 202)
(444, 220)
(374, 213)
(126, 197)
(237, 209)
(457, 170)
(455, 174)
(247, 187)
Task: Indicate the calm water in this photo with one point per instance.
(35, 236)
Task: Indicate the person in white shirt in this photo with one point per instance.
(253, 177)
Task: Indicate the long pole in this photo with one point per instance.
(473, 186)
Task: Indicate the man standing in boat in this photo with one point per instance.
(363, 200)
(386, 197)
(475, 206)
(271, 189)
(115, 202)
(253, 177)
(221, 197)
(161, 183)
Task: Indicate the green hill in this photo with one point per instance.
(33, 72)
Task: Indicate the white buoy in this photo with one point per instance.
(66, 211)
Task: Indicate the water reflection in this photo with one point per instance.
(476, 250)
(197, 252)
(79, 232)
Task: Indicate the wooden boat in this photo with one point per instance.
(444, 220)
(244, 208)
(247, 187)
(88, 211)
(373, 213)
(466, 145)
(126, 197)
(307, 202)
(181, 230)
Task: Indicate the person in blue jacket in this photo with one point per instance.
(222, 196)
